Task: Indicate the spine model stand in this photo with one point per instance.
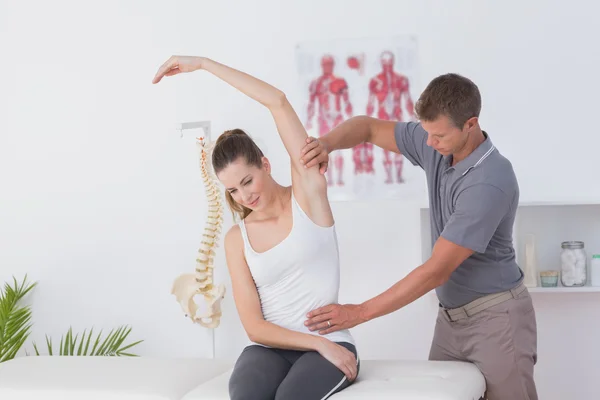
(187, 286)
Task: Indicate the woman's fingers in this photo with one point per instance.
(346, 371)
(353, 370)
(165, 69)
(172, 72)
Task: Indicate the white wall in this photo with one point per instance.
(102, 203)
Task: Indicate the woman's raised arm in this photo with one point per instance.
(288, 123)
(310, 186)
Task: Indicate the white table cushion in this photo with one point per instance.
(383, 379)
(104, 378)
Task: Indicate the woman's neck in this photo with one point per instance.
(278, 202)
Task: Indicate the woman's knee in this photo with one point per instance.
(311, 389)
(246, 384)
(313, 377)
(257, 374)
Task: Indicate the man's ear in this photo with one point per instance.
(471, 123)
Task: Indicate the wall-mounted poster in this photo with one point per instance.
(347, 77)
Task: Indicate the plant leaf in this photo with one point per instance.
(128, 346)
(15, 320)
(111, 345)
(88, 341)
(81, 343)
(96, 343)
(49, 343)
(102, 348)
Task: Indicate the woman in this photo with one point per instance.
(282, 256)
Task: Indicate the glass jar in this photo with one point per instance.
(573, 262)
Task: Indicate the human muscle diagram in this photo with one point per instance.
(375, 77)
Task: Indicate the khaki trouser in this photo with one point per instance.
(497, 333)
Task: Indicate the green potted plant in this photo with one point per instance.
(112, 345)
(15, 319)
(15, 329)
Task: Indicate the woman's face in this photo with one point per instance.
(246, 183)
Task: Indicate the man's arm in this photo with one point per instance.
(350, 133)
(360, 129)
(478, 212)
(406, 138)
(445, 258)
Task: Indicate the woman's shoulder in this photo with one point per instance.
(233, 237)
(315, 208)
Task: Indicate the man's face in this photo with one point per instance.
(444, 137)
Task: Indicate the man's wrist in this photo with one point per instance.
(325, 143)
(364, 312)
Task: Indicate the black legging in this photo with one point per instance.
(263, 373)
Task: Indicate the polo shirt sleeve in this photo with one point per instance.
(411, 140)
(478, 211)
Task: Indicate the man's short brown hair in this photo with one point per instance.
(451, 95)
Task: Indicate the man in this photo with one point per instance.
(486, 315)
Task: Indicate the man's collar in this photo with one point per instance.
(474, 159)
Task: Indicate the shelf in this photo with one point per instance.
(563, 289)
(550, 223)
(556, 203)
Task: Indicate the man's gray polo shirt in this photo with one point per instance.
(472, 204)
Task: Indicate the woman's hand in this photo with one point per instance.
(176, 65)
(339, 356)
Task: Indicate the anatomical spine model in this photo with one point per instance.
(189, 285)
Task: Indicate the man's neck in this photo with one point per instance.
(474, 140)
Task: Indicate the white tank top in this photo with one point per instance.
(298, 275)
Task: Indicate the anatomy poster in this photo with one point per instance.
(376, 77)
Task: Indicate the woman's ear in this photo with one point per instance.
(266, 165)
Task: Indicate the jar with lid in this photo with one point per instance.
(573, 264)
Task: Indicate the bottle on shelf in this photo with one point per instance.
(530, 272)
(595, 270)
(573, 264)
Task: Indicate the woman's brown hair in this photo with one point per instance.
(230, 146)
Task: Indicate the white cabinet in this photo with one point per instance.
(551, 223)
